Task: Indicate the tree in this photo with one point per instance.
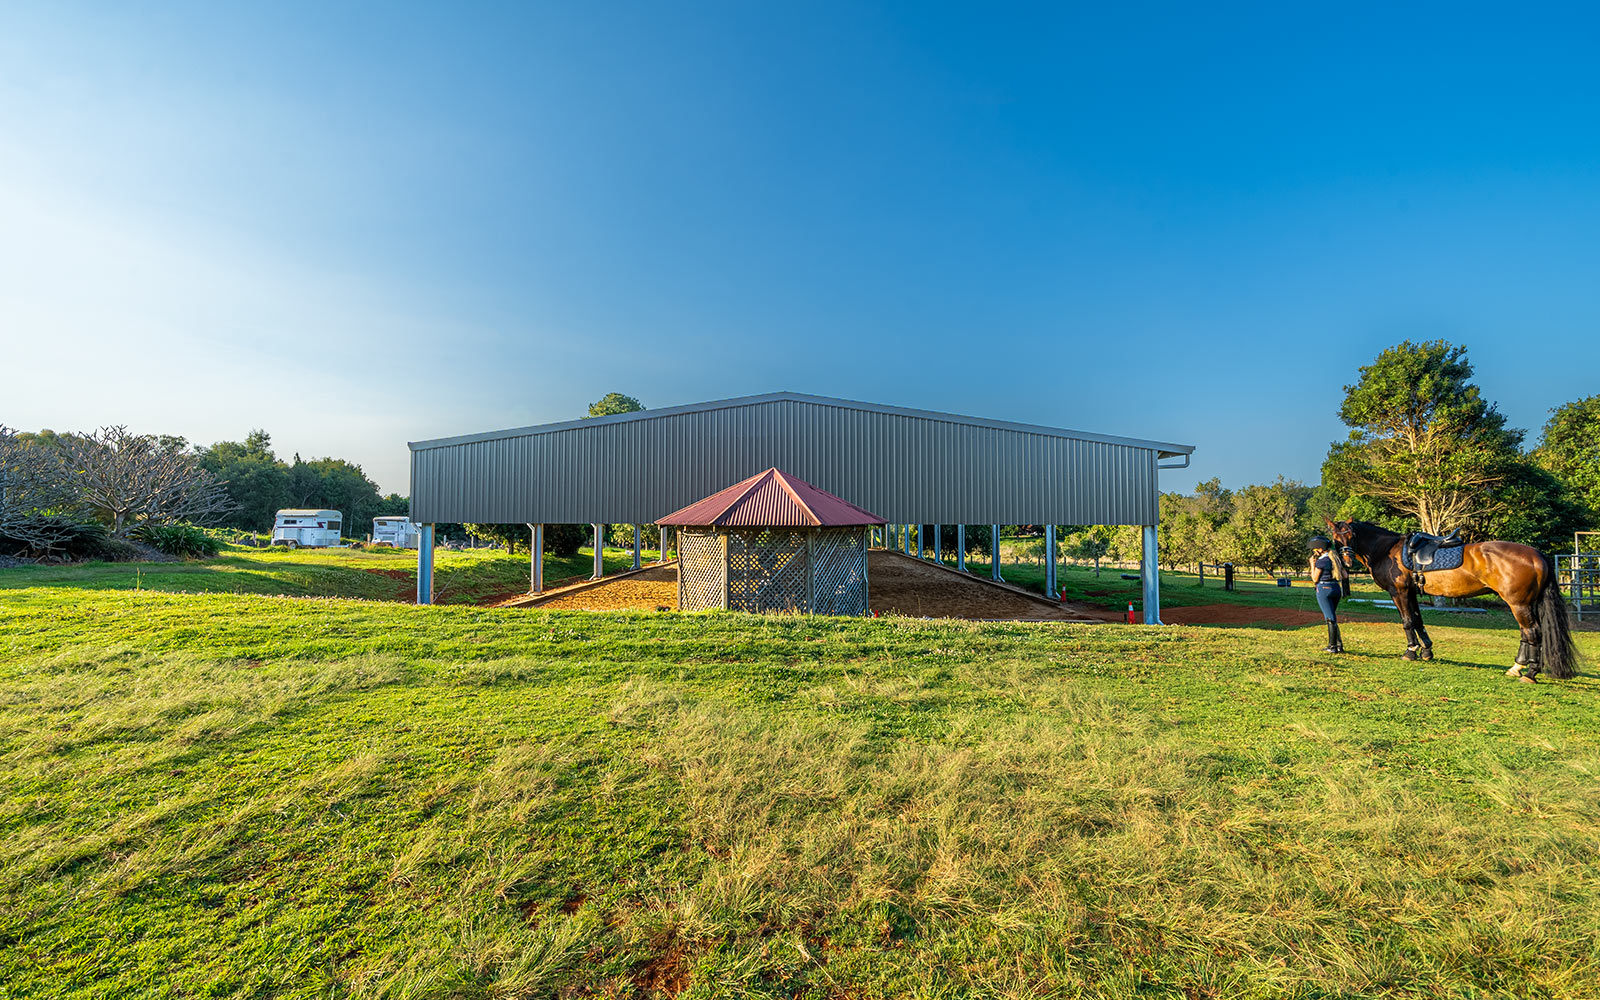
(614, 402)
(1535, 508)
(36, 502)
(1570, 449)
(1423, 442)
(1090, 542)
(125, 478)
(1192, 527)
(1266, 525)
(256, 481)
(335, 484)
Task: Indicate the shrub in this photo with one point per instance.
(182, 540)
(69, 538)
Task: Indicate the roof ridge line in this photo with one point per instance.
(783, 481)
(754, 483)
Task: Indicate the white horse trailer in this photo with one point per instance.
(396, 532)
(307, 529)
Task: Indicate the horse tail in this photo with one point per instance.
(1557, 652)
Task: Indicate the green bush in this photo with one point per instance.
(182, 540)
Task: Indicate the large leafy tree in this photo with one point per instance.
(1570, 449)
(1423, 442)
(613, 402)
(1267, 526)
(255, 479)
(336, 484)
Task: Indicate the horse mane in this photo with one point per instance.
(1376, 529)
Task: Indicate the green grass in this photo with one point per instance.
(227, 794)
(1110, 590)
(470, 576)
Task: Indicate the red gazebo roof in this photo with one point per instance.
(772, 499)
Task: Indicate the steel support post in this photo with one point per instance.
(1050, 562)
(636, 563)
(961, 547)
(994, 551)
(1150, 577)
(536, 558)
(425, 565)
(599, 552)
(921, 549)
(938, 548)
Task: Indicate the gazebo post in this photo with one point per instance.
(961, 547)
(811, 572)
(599, 552)
(994, 552)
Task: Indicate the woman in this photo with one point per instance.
(1332, 581)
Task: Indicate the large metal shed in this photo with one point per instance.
(773, 543)
(911, 466)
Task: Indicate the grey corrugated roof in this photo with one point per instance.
(1164, 449)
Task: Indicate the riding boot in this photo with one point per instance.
(1333, 638)
(1338, 640)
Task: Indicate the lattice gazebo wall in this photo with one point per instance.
(805, 570)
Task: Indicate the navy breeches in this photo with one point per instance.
(1328, 601)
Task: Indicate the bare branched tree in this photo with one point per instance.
(127, 478)
(33, 486)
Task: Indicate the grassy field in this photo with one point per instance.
(471, 576)
(228, 794)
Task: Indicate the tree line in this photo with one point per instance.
(261, 484)
(54, 484)
(1424, 451)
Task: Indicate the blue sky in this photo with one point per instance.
(1191, 223)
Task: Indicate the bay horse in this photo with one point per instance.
(1521, 575)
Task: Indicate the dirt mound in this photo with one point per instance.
(902, 585)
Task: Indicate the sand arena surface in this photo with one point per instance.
(897, 584)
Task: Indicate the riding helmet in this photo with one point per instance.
(1319, 542)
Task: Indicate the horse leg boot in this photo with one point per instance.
(1526, 653)
(1425, 639)
(1411, 643)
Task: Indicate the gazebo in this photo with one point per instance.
(773, 543)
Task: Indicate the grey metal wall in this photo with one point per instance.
(905, 466)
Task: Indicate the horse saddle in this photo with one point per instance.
(1424, 552)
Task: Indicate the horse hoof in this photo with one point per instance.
(1524, 678)
(1408, 655)
(1427, 654)
(1515, 671)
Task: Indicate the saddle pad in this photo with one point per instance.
(1442, 559)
